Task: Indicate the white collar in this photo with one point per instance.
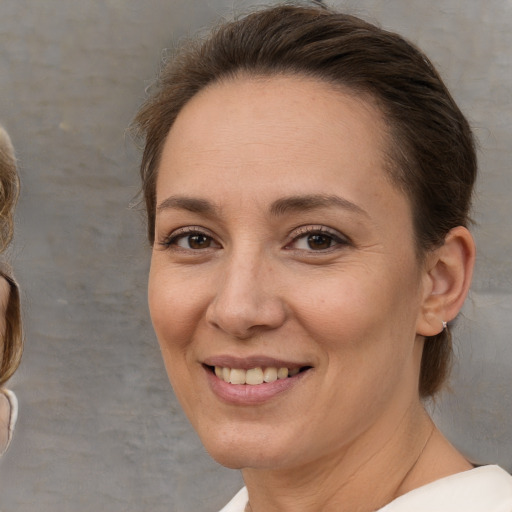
(483, 489)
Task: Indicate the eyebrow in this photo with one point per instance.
(313, 202)
(191, 204)
(279, 207)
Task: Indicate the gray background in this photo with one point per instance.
(99, 428)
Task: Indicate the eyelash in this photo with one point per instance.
(336, 238)
(333, 238)
(171, 241)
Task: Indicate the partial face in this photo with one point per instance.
(5, 405)
(5, 290)
(283, 258)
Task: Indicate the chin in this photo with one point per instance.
(239, 448)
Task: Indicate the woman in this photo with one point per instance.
(307, 179)
(10, 320)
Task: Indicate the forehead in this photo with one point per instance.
(290, 127)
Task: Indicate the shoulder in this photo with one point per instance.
(483, 489)
(238, 503)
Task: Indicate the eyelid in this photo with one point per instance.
(310, 229)
(168, 240)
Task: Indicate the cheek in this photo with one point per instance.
(368, 314)
(366, 336)
(175, 311)
(174, 308)
(5, 291)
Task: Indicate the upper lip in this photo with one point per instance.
(246, 363)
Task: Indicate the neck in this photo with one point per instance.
(385, 459)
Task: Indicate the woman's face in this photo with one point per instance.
(283, 246)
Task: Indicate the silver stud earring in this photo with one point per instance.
(445, 325)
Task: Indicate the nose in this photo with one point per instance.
(247, 299)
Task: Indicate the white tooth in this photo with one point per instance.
(254, 376)
(225, 374)
(218, 372)
(237, 376)
(282, 373)
(270, 374)
(293, 372)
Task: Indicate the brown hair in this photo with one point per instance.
(12, 337)
(9, 188)
(11, 341)
(431, 156)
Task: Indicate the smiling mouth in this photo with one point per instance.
(255, 376)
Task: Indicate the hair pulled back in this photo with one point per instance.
(431, 157)
(9, 188)
(11, 340)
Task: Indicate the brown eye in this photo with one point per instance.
(319, 242)
(194, 241)
(318, 239)
(191, 238)
(199, 241)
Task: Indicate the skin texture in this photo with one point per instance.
(5, 290)
(235, 273)
(5, 411)
(5, 408)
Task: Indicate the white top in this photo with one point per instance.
(483, 489)
(10, 421)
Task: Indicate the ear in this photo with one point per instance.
(446, 281)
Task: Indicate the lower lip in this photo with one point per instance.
(246, 394)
